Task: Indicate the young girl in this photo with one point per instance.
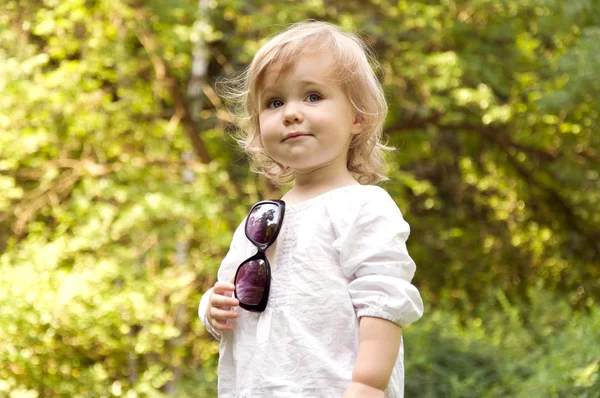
(315, 289)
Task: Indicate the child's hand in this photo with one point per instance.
(360, 390)
(219, 306)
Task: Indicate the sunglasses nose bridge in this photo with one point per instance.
(262, 247)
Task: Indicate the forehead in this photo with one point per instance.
(318, 67)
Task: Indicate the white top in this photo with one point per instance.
(338, 256)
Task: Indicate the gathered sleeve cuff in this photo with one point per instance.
(372, 246)
(386, 297)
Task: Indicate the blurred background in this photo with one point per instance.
(120, 187)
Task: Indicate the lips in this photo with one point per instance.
(292, 135)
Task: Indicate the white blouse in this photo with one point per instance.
(338, 256)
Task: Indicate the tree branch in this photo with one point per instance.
(571, 219)
(167, 79)
(503, 141)
(493, 134)
(27, 210)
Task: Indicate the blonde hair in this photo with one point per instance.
(366, 154)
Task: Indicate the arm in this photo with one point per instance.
(377, 354)
(373, 254)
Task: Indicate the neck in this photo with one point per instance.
(322, 179)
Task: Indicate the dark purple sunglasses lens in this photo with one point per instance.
(251, 282)
(263, 221)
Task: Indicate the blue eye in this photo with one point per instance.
(274, 103)
(314, 97)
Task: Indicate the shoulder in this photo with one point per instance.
(364, 198)
(377, 193)
(368, 217)
(363, 203)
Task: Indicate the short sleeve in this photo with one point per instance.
(372, 245)
(228, 267)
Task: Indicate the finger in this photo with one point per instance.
(220, 314)
(217, 300)
(221, 326)
(232, 279)
(224, 287)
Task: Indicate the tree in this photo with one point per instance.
(493, 109)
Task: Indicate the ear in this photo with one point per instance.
(357, 126)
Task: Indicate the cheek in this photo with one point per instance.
(327, 121)
(268, 137)
(320, 118)
(261, 123)
(266, 124)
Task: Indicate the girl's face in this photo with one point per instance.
(306, 120)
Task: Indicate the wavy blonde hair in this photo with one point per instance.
(353, 59)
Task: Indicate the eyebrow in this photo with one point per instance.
(305, 82)
(311, 81)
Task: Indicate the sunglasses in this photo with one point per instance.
(253, 276)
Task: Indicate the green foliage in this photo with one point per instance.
(105, 250)
(542, 349)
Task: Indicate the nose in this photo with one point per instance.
(292, 114)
